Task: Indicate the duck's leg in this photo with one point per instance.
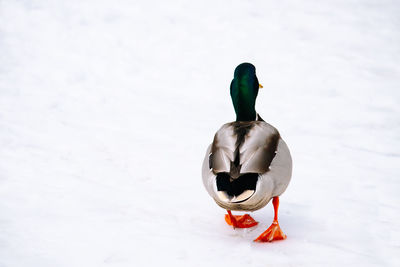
(274, 232)
(240, 221)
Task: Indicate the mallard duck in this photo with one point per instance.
(248, 163)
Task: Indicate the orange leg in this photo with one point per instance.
(240, 221)
(274, 232)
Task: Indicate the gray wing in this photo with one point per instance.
(244, 147)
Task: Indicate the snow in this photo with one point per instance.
(107, 108)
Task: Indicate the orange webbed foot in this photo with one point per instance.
(274, 232)
(240, 221)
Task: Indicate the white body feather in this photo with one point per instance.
(272, 182)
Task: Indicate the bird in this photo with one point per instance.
(248, 163)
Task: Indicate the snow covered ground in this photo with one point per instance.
(107, 107)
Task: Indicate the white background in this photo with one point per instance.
(107, 107)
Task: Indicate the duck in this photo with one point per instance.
(248, 164)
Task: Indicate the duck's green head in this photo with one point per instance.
(244, 90)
